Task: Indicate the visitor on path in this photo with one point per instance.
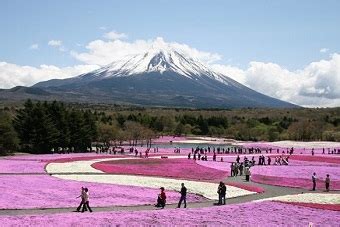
(327, 182)
(269, 160)
(247, 172)
(183, 197)
(238, 159)
(221, 191)
(314, 181)
(86, 205)
(241, 169)
(161, 200)
(232, 169)
(82, 196)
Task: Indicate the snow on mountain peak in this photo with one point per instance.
(161, 57)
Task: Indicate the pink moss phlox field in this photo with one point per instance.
(37, 163)
(49, 157)
(248, 187)
(294, 171)
(293, 182)
(174, 168)
(248, 214)
(334, 207)
(296, 176)
(21, 166)
(223, 166)
(297, 150)
(319, 158)
(43, 191)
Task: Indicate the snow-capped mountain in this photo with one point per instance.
(160, 77)
(160, 60)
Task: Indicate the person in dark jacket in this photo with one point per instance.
(183, 197)
(221, 191)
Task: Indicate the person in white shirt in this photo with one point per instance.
(82, 195)
(314, 181)
(86, 201)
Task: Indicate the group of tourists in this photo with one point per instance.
(327, 182)
(161, 198)
(85, 203)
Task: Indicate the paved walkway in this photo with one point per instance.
(270, 191)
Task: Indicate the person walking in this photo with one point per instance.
(232, 169)
(241, 169)
(183, 197)
(223, 194)
(82, 196)
(221, 191)
(247, 172)
(327, 182)
(86, 204)
(314, 178)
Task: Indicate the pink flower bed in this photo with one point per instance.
(299, 172)
(293, 182)
(175, 168)
(335, 207)
(248, 214)
(303, 172)
(248, 187)
(297, 150)
(223, 166)
(42, 191)
(319, 158)
(37, 163)
(21, 166)
(48, 157)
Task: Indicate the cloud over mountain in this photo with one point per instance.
(317, 84)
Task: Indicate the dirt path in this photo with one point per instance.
(270, 191)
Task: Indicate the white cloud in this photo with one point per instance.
(113, 35)
(55, 43)
(102, 28)
(13, 75)
(101, 52)
(34, 46)
(316, 85)
(324, 50)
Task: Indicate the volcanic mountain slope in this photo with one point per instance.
(159, 77)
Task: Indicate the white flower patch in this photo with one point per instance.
(307, 145)
(206, 189)
(318, 198)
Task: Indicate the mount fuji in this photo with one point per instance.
(159, 77)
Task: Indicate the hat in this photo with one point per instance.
(162, 188)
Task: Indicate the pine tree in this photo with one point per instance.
(8, 137)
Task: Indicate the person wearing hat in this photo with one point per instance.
(161, 200)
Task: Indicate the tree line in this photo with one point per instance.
(45, 127)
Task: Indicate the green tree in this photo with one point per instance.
(8, 137)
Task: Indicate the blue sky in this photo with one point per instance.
(262, 43)
(289, 33)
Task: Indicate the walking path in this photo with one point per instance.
(270, 191)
